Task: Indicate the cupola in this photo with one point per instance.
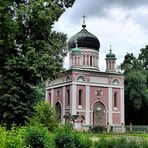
(110, 61)
(84, 39)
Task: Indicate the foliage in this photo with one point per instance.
(143, 57)
(66, 137)
(120, 142)
(44, 115)
(30, 52)
(37, 137)
(85, 142)
(136, 87)
(13, 138)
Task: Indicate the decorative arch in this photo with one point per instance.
(96, 102)
(68, 78)
(81, 78)
(58, 108)
(116, 82)
(99, 114)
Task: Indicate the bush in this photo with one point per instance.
(3, 136)
(120, 143)
(104, 143)
(85, 142)
(37, 137)
(67, 138)
(44, 115)
(12, 138)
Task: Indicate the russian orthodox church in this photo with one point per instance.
(83, 94)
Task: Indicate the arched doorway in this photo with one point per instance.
(99, 113)
(58, 110)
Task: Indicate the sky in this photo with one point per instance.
(120, 23)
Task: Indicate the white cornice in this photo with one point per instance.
(84, 83)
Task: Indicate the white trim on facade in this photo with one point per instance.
(85, 83)
(73, 99)
(122, 105)
(87, 105)
(64, 90)
(110, 106)
(52, 96)
(47, 96)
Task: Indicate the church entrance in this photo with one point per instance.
(99, 114)
(58, 111)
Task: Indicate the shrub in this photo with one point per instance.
(104, 143)
(85, 142)
(120, 143)
(44, 115)
(3, 136)
(37, 137)
(12, 138)
(67, 138)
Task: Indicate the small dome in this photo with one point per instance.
(76, 50)
(84, 39)
(110, 55)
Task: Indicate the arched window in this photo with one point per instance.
(83, 59)
(58, 93)
(110, 64)
(90, 60)
(49, 98)
(80, 98)
(68, 97)
(78, 61)
(75, 61)
(87, 59)
(68, 78)
(115, 99)
(94, 61)
(116, 82)
(80, 78)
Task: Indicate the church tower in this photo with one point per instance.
(84, 50)
(110, 62)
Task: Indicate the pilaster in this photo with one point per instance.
(87, 105)
(110, 106)
(122, 105)
(52, 96)
(63, 119)
(73, 99)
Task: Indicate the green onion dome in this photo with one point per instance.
(110, 54)
(84, 39)
(76, 50)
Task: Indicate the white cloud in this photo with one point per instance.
(116, 24)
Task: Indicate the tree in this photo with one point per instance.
(143, 57)
(45, 115)
(136, 94)
(30, 52)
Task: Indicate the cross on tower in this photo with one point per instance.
(110, 47)
(84, 17)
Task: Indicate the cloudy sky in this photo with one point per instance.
(121, 23)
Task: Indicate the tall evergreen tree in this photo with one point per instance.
(30, 52)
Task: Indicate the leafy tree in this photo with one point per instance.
(136, 96)
(143, 57)
(30, 52)
(45, 115)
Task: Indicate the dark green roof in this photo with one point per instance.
(84, 39)
(110, 55)
(76, 50)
